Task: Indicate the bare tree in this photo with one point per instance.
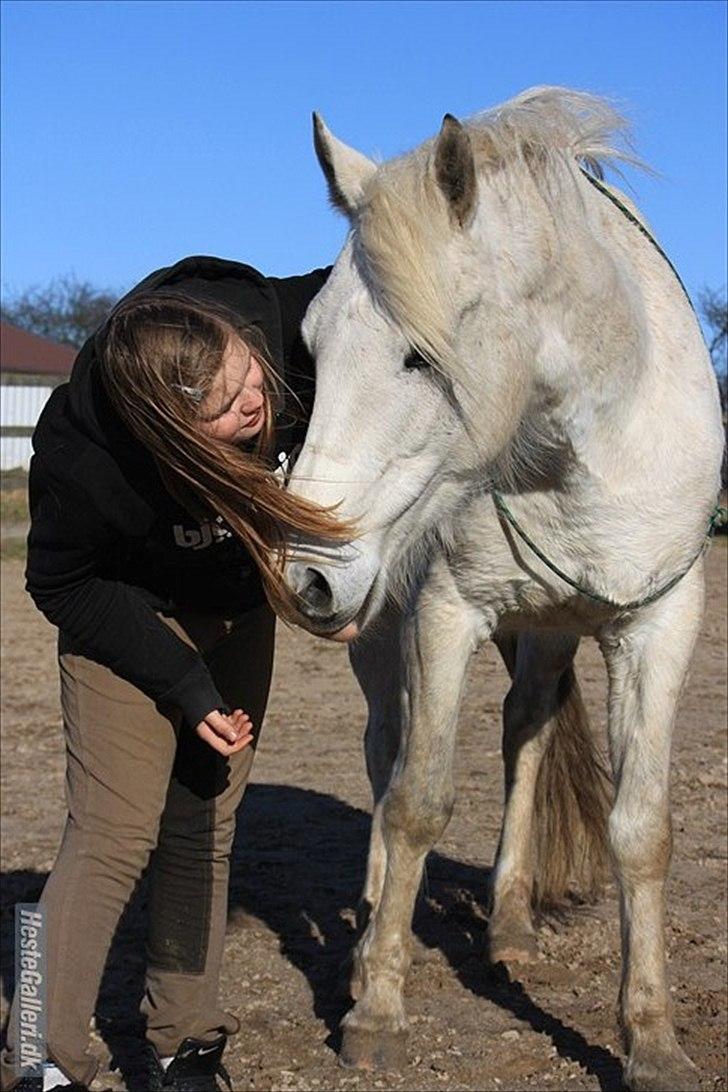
(714, 308)
(67, 310)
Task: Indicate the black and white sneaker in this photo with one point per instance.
(194, 1068)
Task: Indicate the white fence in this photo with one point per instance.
(20, 408)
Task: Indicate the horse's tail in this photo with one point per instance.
(571, 807)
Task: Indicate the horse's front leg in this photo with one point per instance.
(438, 637)
(377, 661)
(647, 661)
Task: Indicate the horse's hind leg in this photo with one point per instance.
(536, 665)
(438, 639)
(647, 660)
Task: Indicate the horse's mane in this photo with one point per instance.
(401, 228)
(555, 121)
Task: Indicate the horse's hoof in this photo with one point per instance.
(512, 946)
(382, 1050)
(662, 1074)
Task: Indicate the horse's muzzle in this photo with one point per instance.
(316, 603)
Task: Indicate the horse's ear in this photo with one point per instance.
(347, 171)
(455, 169)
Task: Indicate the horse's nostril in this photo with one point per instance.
(316, 592)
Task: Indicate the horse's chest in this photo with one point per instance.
(514, 592)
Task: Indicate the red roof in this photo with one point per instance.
(31, 354)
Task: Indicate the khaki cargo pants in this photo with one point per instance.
(138, 785)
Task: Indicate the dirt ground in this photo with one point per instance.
(299, 860)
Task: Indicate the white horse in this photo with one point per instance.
(515, 403)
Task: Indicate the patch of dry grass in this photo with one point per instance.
(13, 506)
(14, 518)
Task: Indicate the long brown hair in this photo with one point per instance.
(159, 355)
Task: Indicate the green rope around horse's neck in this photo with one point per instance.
(719, 516)
(718, 519)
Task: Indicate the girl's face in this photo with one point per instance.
(234, 409)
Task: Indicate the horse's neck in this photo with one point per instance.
(567, 304)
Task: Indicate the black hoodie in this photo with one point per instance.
(108, 545)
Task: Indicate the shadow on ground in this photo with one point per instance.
(298, 866)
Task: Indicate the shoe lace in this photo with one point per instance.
(222, 1072)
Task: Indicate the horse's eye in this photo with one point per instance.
(415, 360)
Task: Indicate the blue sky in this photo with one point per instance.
(137, 132)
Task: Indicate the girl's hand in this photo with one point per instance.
(226, 734)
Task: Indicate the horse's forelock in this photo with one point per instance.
(401, 229)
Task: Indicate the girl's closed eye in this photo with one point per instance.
(235, 407)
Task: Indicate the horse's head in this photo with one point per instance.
(386, 426)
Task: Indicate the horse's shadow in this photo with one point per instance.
(298, 865)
